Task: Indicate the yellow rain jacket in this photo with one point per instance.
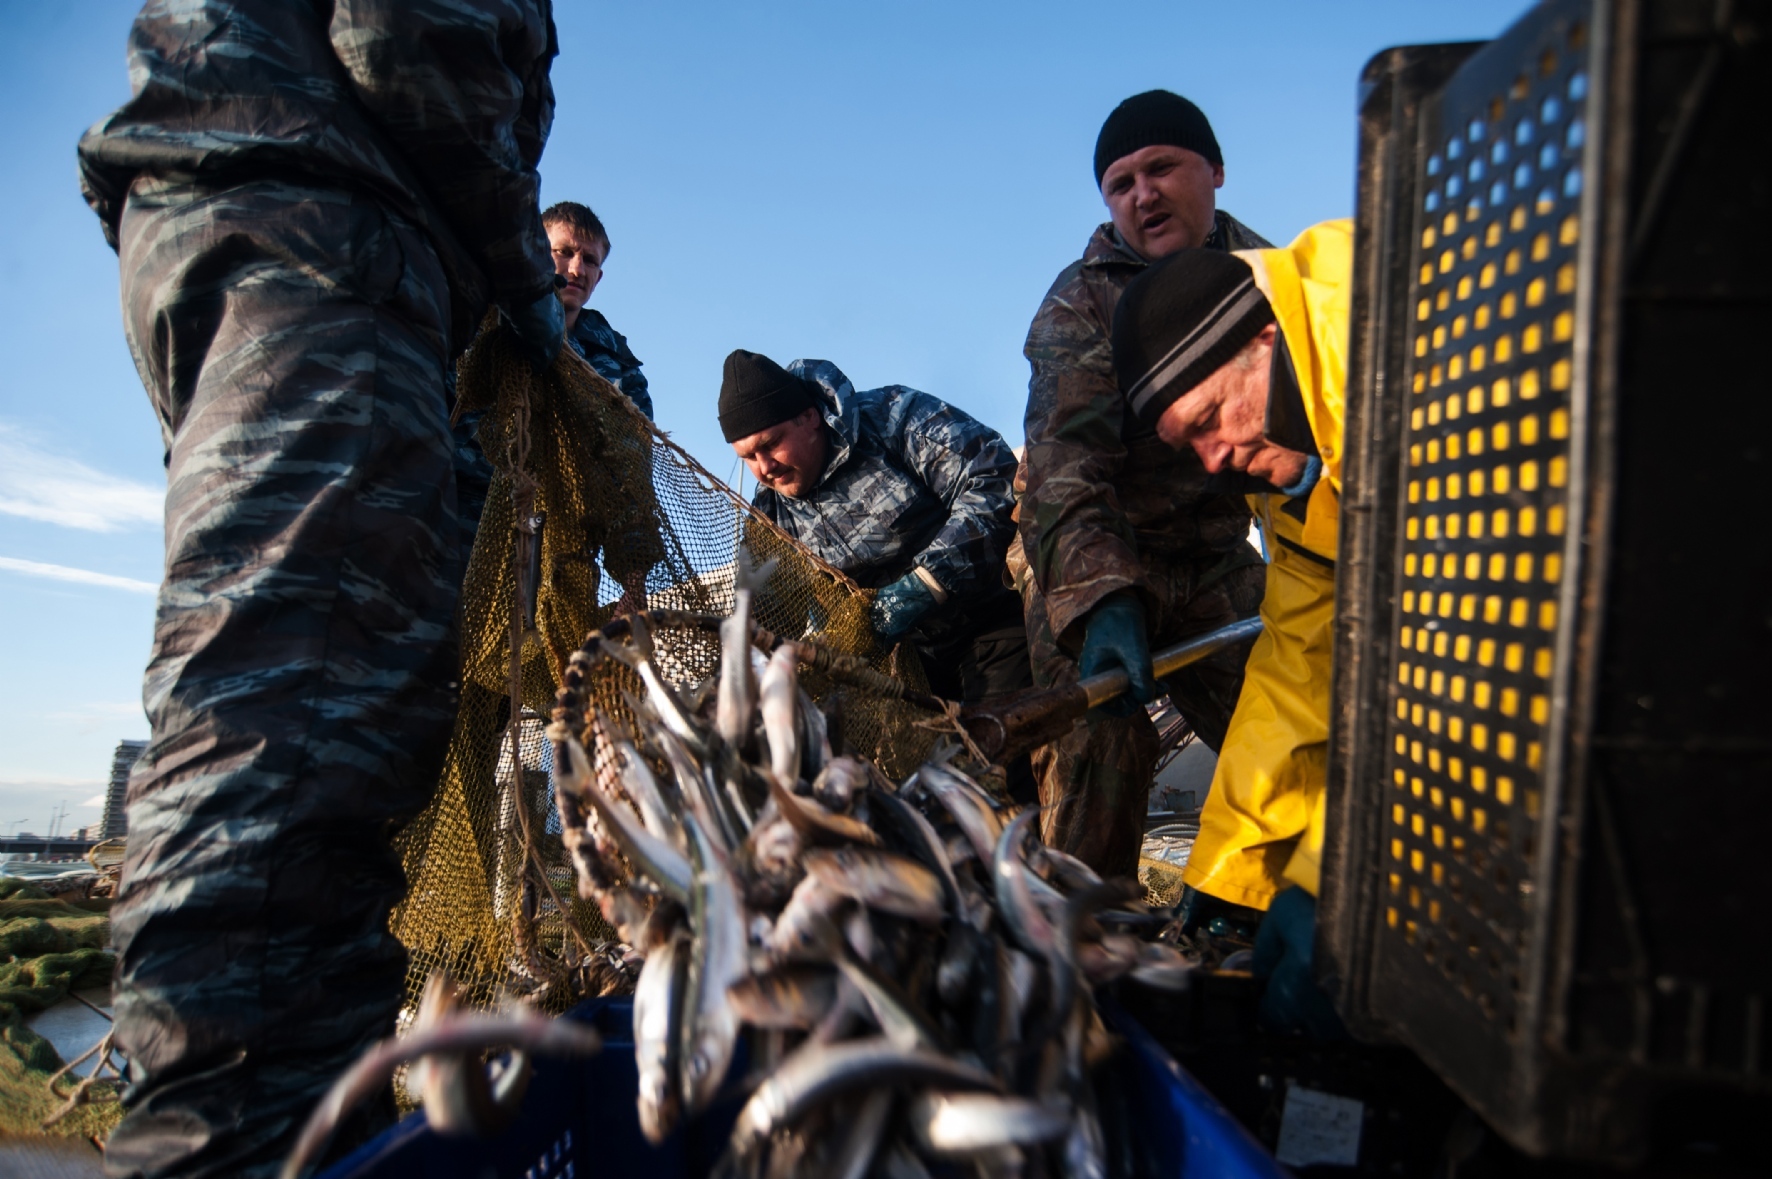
(1262, 827)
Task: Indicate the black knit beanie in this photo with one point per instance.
(757, 393)
(1156, 116)
(1179, 322)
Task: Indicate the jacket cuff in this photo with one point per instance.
(1068, 607)
(933, 586)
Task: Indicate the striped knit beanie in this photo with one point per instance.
(1179, 322)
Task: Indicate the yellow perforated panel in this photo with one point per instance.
(1484, 524)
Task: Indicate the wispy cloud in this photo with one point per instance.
(40, 485)
(82, 576)
(95, 800)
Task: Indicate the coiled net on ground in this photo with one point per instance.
(592, 513)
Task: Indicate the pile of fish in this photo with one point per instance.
(912, 970)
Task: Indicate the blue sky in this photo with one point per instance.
(889, 186)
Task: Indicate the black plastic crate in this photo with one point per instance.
(1551, 772)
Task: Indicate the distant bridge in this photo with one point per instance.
(42, 845)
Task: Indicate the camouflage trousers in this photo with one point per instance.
(1095, 781)
(293, 342)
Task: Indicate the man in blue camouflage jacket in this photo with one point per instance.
(902, 492)
(314, 205)
(581, 246)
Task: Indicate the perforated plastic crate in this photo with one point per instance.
(1550, 773)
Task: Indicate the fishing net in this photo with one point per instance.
(593, 514)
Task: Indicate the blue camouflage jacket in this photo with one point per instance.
(909, 481)
(608, 353)
(437, 108)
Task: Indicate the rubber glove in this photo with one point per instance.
(1291, 1000)
(898, 607)
(1114, 639)
(540, 327)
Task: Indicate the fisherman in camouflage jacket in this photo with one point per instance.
(1125, 544)
(314, 205)
(901, 491)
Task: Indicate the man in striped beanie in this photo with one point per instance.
(1241, 358)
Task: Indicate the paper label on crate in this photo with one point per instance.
(1318, 1127)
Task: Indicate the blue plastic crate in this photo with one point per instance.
(578, 1122)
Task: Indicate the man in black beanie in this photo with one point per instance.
(902, 492)
(1127, 545)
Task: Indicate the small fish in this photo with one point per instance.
(818, 1073)
(778, 696)
(800, 930)
(1164, 967)
(898, 1162)
(718, 959)
(959, 1124)
(970, 810)
(792, 998)
(449, 1032)
(880, 880)
(897, 1017)
(699, 797)
(637, 657)
(658, 1016)
(771, 857)
(861, 1141)
(815, 824)
(738, 689)
(815, 738)
(920, 835)
(649, 798)
(839, 783)
(661, 863)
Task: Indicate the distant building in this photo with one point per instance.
(114, 823)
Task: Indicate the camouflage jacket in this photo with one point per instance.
(1103, 494)
(437, 108)
(608, 352)
(910, 481)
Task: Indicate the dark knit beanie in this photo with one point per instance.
(1156, 116)
(757, 393)
(1179, 322)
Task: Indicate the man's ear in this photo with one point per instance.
(1218, 176)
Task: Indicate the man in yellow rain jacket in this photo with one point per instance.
(1243, 357)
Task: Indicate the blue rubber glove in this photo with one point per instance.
(541, 329)
(898, 607)
(1291, 1000)
(1114, 639)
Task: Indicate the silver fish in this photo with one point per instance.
(818, 1073)
(637, 657)
(794, 998)
(970, 810)
(814, 823)
(838, 784)
(1163, 966)
(867, 1126)
(649, 798)
(899, 1162)
(658, 1016)
(965, 1123)
(880, 880)
(710, 1025)
(802, 927)
(451, 1033)
(894, 1013)
(925, 844)
(663, 864)
(778, 697)
(738, 689)
(699, 797)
